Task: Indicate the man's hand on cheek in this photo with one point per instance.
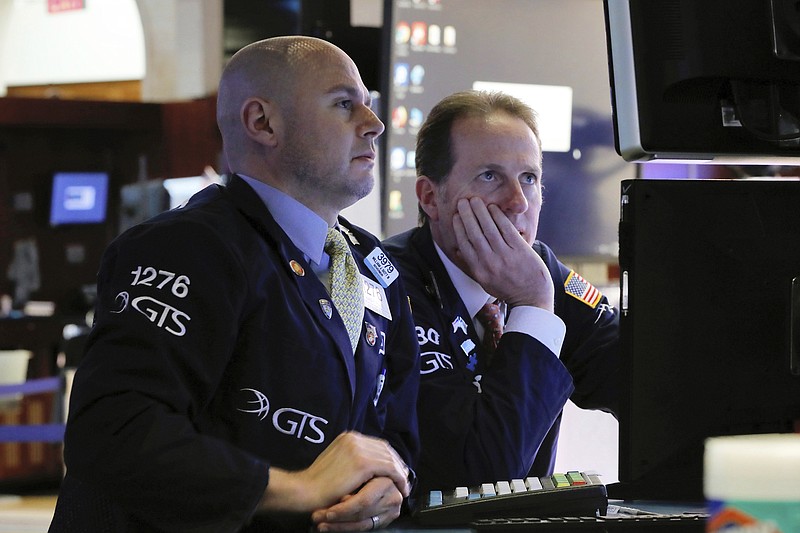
(497, 257)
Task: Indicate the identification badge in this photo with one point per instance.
(381, 267)
(375, 298)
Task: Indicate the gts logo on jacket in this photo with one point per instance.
(287, 420)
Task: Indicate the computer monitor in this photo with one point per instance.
(710, 324)
(78, 198)
(708, 80)
(549, 53)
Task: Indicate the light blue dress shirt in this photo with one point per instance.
(306, 229)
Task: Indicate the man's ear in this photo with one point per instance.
(261, 121)
(427, 197)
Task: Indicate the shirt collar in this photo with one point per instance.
(304, 227)
(470, 291)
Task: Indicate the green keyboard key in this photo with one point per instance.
(575, 478)
(560, 480)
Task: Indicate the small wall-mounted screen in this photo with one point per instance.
(79, 198)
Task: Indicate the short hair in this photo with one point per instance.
(434, 153)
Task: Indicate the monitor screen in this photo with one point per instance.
(703, 80)
(549, 53)
(79, 198)
(710, 323)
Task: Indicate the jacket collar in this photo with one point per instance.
(311, 288)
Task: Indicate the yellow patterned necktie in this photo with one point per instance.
(347, 292)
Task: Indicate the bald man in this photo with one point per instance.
(220, 389)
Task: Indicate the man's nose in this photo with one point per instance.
(513, 200)
(372, 125)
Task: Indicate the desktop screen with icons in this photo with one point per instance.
(530, 50)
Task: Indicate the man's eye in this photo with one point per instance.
(488, 176)
(528, 179)
(345, 104)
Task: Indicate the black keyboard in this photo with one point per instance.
(573, 494)
(609, 523)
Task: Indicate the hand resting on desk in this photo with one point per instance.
(356, 478)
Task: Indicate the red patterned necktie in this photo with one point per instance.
(491, 316)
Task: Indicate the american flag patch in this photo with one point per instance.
(581, 289)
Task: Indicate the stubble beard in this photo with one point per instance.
(337, 189)
(314, 178)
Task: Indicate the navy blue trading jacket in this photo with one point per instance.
(216, 353)
(498, 422)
